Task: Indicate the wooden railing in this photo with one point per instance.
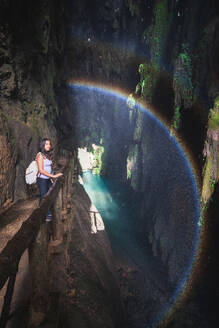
(11, 254)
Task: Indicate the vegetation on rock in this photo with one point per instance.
(97, 164)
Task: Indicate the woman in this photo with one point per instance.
(44, 161)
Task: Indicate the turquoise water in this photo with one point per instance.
(113, 203)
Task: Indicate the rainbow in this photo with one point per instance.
(186, 286)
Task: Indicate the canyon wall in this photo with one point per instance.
(169, 49)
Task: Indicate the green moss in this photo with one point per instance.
(207, 170)
(213, 120)
(129, 173)
(160, 28)
(204, 207)
(183, 76)
(155, 35)
(216, 103)
(97, 152)
(176, 118)
(148, 77)
(212, 184)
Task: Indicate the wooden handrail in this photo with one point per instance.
(11, 254)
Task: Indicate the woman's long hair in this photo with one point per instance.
(47, 154)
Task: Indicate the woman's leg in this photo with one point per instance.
(44, 185)
(49, 184)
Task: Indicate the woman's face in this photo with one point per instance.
(47, 145)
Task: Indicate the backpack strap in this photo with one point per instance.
(41, 154)
(37, 154)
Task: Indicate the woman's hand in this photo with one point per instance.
(57, 175)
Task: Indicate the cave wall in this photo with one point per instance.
(32, 39)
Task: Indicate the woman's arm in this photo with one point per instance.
(39, 160)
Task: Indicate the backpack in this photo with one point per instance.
(31, 173)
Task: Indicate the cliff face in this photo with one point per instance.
(31, 43)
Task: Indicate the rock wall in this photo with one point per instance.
(31, 44)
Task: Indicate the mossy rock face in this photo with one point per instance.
(216, 103)
(182, 79)
(206, 189)
(149, 74)
(214, 120)
(155, 35)
(97, 152)
(176, 119)
(161, 16)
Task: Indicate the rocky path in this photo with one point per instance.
(12, 219)
(10, 222)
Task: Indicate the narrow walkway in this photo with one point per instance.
(10, 222)
(12, 219)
